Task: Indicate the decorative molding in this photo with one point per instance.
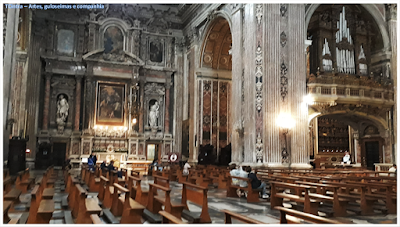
(283, 10)
(283, 39)
(392, 12)
(154, 88)
(259, 74)
(284, 81)
(259, 13)
(259, 149)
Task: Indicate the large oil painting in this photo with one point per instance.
(110, 103)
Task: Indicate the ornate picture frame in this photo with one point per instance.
(110, 103)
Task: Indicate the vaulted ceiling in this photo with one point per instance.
(216, 46)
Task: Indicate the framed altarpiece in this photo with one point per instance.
(110, 103)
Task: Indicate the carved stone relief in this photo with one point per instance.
(284, 81)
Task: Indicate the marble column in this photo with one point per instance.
(392, 25)
(46, 106)
(77, 102)
(9, 63)
(141, 87)
(178, 95)
(297, 71)
(237, 72)
(166, 121)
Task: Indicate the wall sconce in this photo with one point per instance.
(286, 122)
(134, 121)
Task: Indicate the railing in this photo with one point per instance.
(351, 87)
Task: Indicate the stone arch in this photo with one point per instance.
(216, 43)
(109, 22)
(378, 122)
(372, 10)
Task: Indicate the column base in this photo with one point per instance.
(76, 133)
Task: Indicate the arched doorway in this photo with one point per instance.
(214, 88)
(333, 134)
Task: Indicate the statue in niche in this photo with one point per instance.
(153, 116)
(62, 112)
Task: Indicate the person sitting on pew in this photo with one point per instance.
(234, 172)
(90, 163)
(393, 169)
(94, 158)
(256, 183)
(346, 158)
(103, 165)
(186, 168)
(244, 174)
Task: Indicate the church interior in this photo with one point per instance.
(200, 113)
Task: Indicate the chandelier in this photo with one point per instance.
(112, 131)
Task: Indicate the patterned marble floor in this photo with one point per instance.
(218, 201)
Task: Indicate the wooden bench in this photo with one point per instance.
(170, 219)
(94, 182)
(365, 205)
(48, 193)
(89, 207)
(339, 205)
(135, 173)
(136, 191)
(163, 181)
(252, 194)
(278, 193)
(6, 207)
(131, 210)
(373, 191)
(117, 205)
(13, 196)
(285, 212)
(79, 200)
(45, 212)
(229, 215)
(156, 201)
(197, 195)
(102, 187)
(8, 183)
(95, 219)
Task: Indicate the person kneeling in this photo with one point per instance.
(256, 183)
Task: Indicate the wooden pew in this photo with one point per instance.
(278, 194)
(163, 181)
(170, 219)
(366, 203)
(6, 207)
(131, 210)
(102, 187)
(286, 212)
(136, 191)
(95, 219)
(13, 197)
(23, 181)
(198, 195)
(156, 202)
(339, 205)
(79, 200)
(94, 182)
(117, 205)
(35, 201)
(252, 194)
(388, 195)
(45, 212)
(8, 183)
(229, 215)
(88, 208)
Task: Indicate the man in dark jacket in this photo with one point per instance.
(256, 183)
(110, 166)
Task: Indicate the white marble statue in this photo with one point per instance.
(62, 109)
(153, 114)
